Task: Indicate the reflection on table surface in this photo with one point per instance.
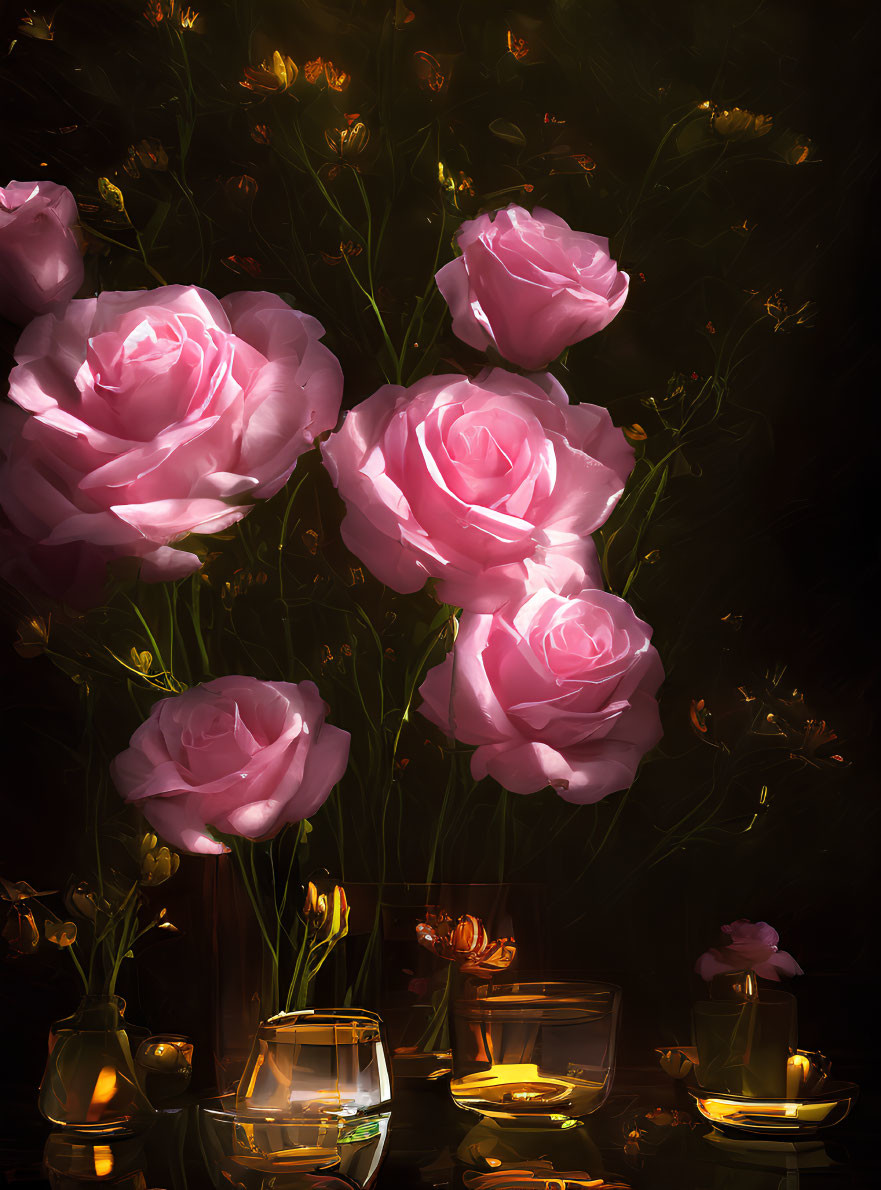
(646, 1137)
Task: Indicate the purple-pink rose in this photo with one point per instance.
(236, 753)
(41, 265)
(155, 414)
(529, 286)
(558, 691)
(748, 946)
(490, 486)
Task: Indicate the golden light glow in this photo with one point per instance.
(106, 1087)
(519, 1088)
(103, 1156)
(798, 1069)
(771, 1115)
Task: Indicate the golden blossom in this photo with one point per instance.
(326, 914)
(276, 75)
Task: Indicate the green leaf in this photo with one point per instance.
(154, 226)
(505, 130)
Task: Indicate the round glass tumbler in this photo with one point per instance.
(317, 1062)
(542, 1052)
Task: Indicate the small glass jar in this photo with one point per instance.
(165, 1065)
(317, 1063)
(90, 1084)
(543, 1052)
(743, 1046)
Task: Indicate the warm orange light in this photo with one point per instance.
(521, 1088)
(106, 1087)
(759, 1114)
(103, 1156)
(517, 46)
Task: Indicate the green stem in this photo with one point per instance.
(252, 897)
(195, 616)
(439, 1017)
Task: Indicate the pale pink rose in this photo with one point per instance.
(157, 414)
(236, 753)
(490, 486)
(528, 285)
(750, 946)
(41, 265)
(558, 691)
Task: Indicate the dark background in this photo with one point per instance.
(774, 519)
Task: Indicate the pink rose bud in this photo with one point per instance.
(558, 691)
(529, 286)
(236, 753)
(491, 486)
(748, 946)
(41, 265)
(152, 415)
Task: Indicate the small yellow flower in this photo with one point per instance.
(111, 194)
(143, 661)
(326, 914)
(275, 75)
(158, 864)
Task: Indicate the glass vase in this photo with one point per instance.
(314, 1063)
(743, 1046)
(91, 1084)
(540, 1052)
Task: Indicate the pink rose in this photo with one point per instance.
(751, 946)
(528, 285)
(245, 756)
(160, 413)
(41, 265)
(491, 486)
(559, 691)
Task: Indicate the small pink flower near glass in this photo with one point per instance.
(748, 946)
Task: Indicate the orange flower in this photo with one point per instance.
(337, 80)
(466, 943)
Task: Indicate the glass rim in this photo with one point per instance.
(344, 1015)
(520, 995)
(831, 1091)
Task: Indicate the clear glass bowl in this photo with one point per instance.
(539, 1051)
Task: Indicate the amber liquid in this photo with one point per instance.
(520, 1089)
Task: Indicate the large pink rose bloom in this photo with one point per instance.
(160, 413)
(245, 756)
(749, 946)
(529, 286)
(41, 265)
(559, 691)
(490, 486)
